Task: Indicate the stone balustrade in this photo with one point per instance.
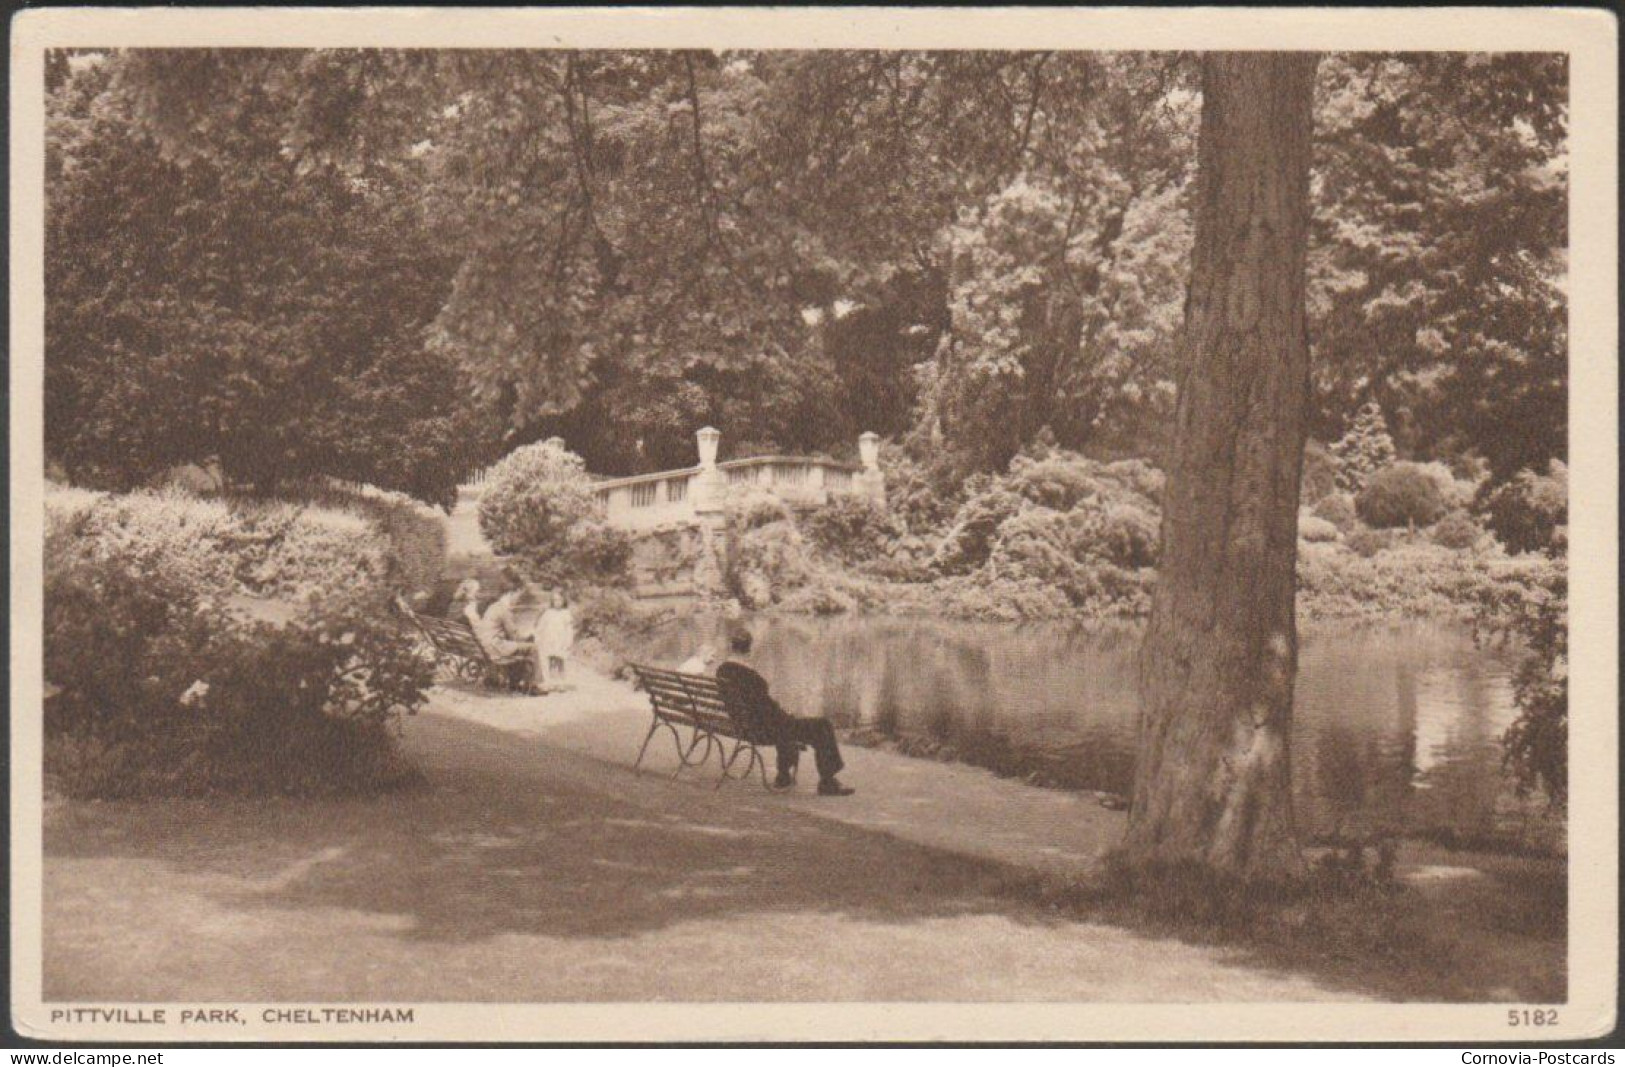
(678, 497)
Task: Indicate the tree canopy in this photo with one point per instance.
(364, 262)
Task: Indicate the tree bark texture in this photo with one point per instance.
(1219, 658)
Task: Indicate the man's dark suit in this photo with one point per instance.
(763, 720)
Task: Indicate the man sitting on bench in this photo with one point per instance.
(746, 689)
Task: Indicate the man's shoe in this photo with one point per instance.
(783, 781)
(831, 787)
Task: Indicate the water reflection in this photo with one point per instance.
(1396, 727)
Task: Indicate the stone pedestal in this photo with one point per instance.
(708, 493)
(870, 481)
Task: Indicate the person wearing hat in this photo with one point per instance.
(762, 717)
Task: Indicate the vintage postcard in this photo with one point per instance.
(825, 525)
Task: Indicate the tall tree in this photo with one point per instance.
(239, 311)
(1217, 667)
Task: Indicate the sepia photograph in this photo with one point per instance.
(615, 526)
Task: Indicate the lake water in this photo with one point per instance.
(1396, 728)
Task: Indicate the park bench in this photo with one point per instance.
(457, 650)
(695, 703)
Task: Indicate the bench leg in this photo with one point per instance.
(653, 726)
(683, 755)
(754, 761)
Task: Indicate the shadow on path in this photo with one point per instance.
(509, 837)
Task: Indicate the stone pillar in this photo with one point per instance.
(708, 493)
(871, 481)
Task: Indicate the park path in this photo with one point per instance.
(957, 808)
(530, 870)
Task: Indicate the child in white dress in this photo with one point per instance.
(555, 634)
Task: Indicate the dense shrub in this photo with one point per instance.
(158, 690)
(1526, 512)
(317, 552)
(969, 539)
(1531, 603)
(1040, 543)
(1366, 542)
(217, 547)
(1059, 480)
(766, 562)
(820, 598)
(1404, 494)
(1127, 534)
(852, 529)
(1094, 557)
(170, 532)
(415, 531)
(1137, 477)
(1457, 530)
(1400, 580)
(1338, 509)
(921, 497)
(999, 599)
(1316, 530)
(1456, 492)
(748, 507)
(538, 506)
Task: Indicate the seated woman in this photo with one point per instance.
(497, 629)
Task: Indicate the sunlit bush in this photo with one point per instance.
(538, 506)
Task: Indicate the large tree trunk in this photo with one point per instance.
(1216, 672)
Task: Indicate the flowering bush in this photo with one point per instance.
(157, 690)
(218, 548)
(326, 553)
(969, 539)
(189, 541)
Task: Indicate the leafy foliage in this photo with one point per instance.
(240, 309)
(854, 529)
(1401, 495)
(1439, 254)
(1528, 511)
(538, 505)
(975, 248)
(1364, 450)
(1532, 604)
(1457, 530)
(222, 548)
(159, 691)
